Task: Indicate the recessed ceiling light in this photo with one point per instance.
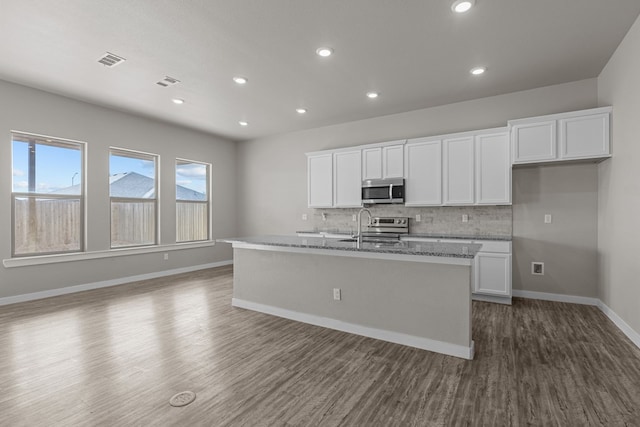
(301, 110)
(324, 51)
(372, 95)
(240, 80)
(477, 71)
(178, 101)
(243, 123)
(461, 6)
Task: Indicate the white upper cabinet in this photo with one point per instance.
(493, 169)
(372, 163)
(458, 170)
(560, 137)
(534, 142)
(347, 179)
(393, 161)
(423, 178)
(320, 180)
(584, 136)
(384, 160)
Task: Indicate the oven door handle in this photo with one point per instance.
(390, 191)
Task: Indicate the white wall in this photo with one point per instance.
(619, 184)
(279, 162)
(35, 111)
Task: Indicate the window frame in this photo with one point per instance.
(209, 168)
(51, 140)
(142, 155)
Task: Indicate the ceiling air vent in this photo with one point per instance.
(111, 60)
(168, 81)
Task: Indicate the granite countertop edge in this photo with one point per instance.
(412, 248)
(425, 235)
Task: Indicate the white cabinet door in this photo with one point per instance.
(584, 137)
(372, 163)
(393, 161)
(493, 169)
(347, 179)
(458, 160)
(492, 274)
(534, 142)
(320, 180)
(423, 180)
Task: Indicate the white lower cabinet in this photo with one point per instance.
(490, 270)
(492, 274)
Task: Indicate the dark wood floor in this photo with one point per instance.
(114, 357)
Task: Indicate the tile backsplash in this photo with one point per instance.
(482, 220)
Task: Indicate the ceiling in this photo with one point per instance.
(415, 53)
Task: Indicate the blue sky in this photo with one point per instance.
(58, 167)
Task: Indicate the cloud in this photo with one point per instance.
(21, 184)
(192, 171)
(184, 182)
(18, 172)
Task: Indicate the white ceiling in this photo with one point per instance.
(416, 53)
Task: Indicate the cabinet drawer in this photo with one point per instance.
(494, 246)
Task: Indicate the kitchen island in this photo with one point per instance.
(411, 293)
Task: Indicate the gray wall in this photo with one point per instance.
(31, 110)
(619, 184)
(567, 246)
(279, 162)
(272, 178)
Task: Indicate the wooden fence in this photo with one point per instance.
(53, 225)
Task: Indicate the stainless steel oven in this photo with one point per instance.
(378, 191)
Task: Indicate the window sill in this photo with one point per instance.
(81, 256)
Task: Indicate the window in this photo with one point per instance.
(47, 197)
(134, 202)
(192, 201)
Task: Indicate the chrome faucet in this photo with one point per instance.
(359, 235)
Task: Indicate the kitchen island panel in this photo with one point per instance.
(425, 305)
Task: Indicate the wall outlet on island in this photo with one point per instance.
(337, 294)
(547, 218)
(418, 218)
(166, 257)
(304, 217)
(354, 217)
(465, 218)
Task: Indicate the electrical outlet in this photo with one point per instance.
(465, 218)
(418, 218)
(166, 257)
(537, 268)
(354, 217)
(324, 216)
(304, 217)
(547, 218)
(337, 294)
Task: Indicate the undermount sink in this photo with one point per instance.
(373, 240)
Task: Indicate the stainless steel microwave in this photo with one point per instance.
(377, 191)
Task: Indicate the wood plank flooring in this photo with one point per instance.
(114, 357)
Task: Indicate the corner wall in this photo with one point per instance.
(35, 111)
(619, 184)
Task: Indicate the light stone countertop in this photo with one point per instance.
(339, 234)
(434, 249)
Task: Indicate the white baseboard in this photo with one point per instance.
(621, 324)
(574, 299)
(380, 334)
(107, 283)
(612, 315)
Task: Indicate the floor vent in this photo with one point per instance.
(168, 81)
(111, 60)
(182, 399)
